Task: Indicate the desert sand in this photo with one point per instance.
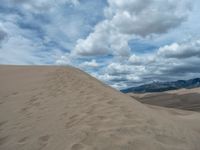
(187, 99)
(63, 108)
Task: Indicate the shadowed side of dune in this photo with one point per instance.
(63, 108)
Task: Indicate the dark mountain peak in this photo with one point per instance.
(164, 86)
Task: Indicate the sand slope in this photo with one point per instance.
(188, 99)
(62, 108)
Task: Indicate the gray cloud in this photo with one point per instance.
(3, 35)
(156, 66)
(35, 34)
(183, 69)
(38, 6)
(146, 17)
(181, 50)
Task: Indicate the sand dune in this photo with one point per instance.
(63, 108)
(188, 99)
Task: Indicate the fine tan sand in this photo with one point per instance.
(63, 108)
(187, 99)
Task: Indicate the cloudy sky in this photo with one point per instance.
(121, 42)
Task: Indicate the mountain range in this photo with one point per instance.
(164, 86)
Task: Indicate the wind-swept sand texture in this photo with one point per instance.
(63, 108)
(188, 99)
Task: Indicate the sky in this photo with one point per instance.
(123, 43)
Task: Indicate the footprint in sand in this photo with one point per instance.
(3, 140)
(71, 121)
(111, 102)
(2, 123)
(64, 114)
(3, 99)
(43, 141)
(102, 117)
(33, 99)
(37, 104)
(24, 110)
(77, 146)
(14, 93)
(23, 140)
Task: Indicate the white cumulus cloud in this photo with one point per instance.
(91, 63)
(128, 18)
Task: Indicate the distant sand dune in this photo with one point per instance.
(63, 108)
(188, 99)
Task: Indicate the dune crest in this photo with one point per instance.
(63, 108)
